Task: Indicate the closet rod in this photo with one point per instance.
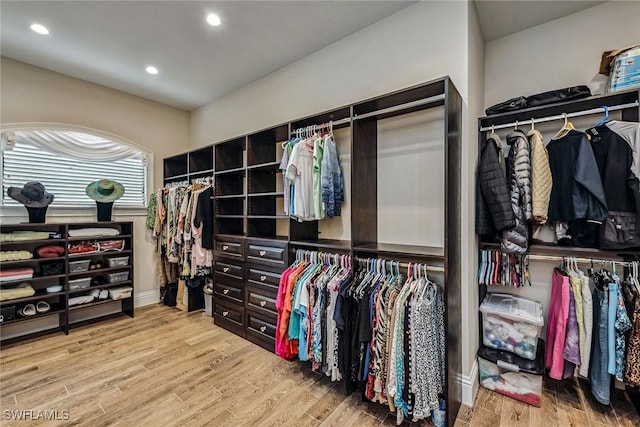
(579, 260)
(561, 116)
(400, 107)
(431, 268)
(333, 122)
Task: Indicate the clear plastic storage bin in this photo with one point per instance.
(120, 261)
(120, 276)
(79, 266)
(76, 284)
(513, 376)
(120, 293)
(511, 323)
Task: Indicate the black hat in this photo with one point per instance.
(32, 195)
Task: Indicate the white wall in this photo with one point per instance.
(425, 41)
(417, 44)
(32, 94)
(560, 53)
(475, 68)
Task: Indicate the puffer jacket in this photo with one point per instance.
(541, 179)
(494, 212)
(516, 239)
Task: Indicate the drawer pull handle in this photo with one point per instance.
(263, 278)
(263, 253)
(263, 328)
(225, 247)
(225, 313)
(225, 269)
(263, 303)
(225, 291)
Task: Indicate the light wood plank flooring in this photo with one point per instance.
(167, 368)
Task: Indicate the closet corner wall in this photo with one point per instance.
(254, 240)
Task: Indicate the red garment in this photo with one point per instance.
(286, 348)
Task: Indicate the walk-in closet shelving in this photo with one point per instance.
(254, 240)
(549, 118)
(59, 300)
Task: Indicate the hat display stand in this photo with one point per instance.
(37, 215)
(104, 211)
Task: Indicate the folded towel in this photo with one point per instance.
(80, 300)
(23, 290)
(50, 251)
(16, 274)
(15, 255)
(91, 232)
(19, 236)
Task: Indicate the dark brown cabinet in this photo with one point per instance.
(86, 264)
(255, 240)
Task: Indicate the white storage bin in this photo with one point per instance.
(120, 276)
(513, 376)
(76, 284)
(79, 266)
(120, 293)
(511, 323)
(120, 261)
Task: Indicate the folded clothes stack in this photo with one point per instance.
(50, 251)
(15, 255)
(19, 236)
(23, 290)
(94, 232)
(16, 274)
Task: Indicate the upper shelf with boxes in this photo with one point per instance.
(49, 270)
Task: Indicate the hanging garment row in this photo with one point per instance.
(180, 215)
(579, 189)
(377, 330)
(498, 268)
(593, 326)
(312, 174)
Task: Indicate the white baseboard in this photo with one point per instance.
(469, 385)
(146, 298)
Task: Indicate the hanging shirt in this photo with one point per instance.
(318, 152)
(300, 173)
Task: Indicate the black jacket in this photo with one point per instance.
(493, 209)
(613, 151)
(577, 192)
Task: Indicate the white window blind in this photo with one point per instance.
(67, 178)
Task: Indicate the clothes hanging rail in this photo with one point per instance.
(561, 116)
(332, 122)
(431, 268)
(579, 260)
(400, 107)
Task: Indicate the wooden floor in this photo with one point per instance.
(167, 368)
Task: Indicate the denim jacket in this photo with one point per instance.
(332, 180)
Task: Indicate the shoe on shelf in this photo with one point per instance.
(42, 307)
(27, 310)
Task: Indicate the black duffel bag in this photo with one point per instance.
(544, 98)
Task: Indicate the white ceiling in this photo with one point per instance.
(501, 18)
(111, 42)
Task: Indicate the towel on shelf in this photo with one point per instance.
(23, 290)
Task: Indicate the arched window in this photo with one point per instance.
(66, 159)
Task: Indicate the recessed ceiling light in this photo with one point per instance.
(151, 69)
(40, 29)
(213, 19)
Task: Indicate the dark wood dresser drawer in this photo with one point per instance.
(261, 330)
(261, 301)
(267, 252)
(263, 279)
(228, 289)
(227, 246)
(229, 316)
(228, 269)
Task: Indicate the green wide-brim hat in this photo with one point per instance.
(105, 190)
